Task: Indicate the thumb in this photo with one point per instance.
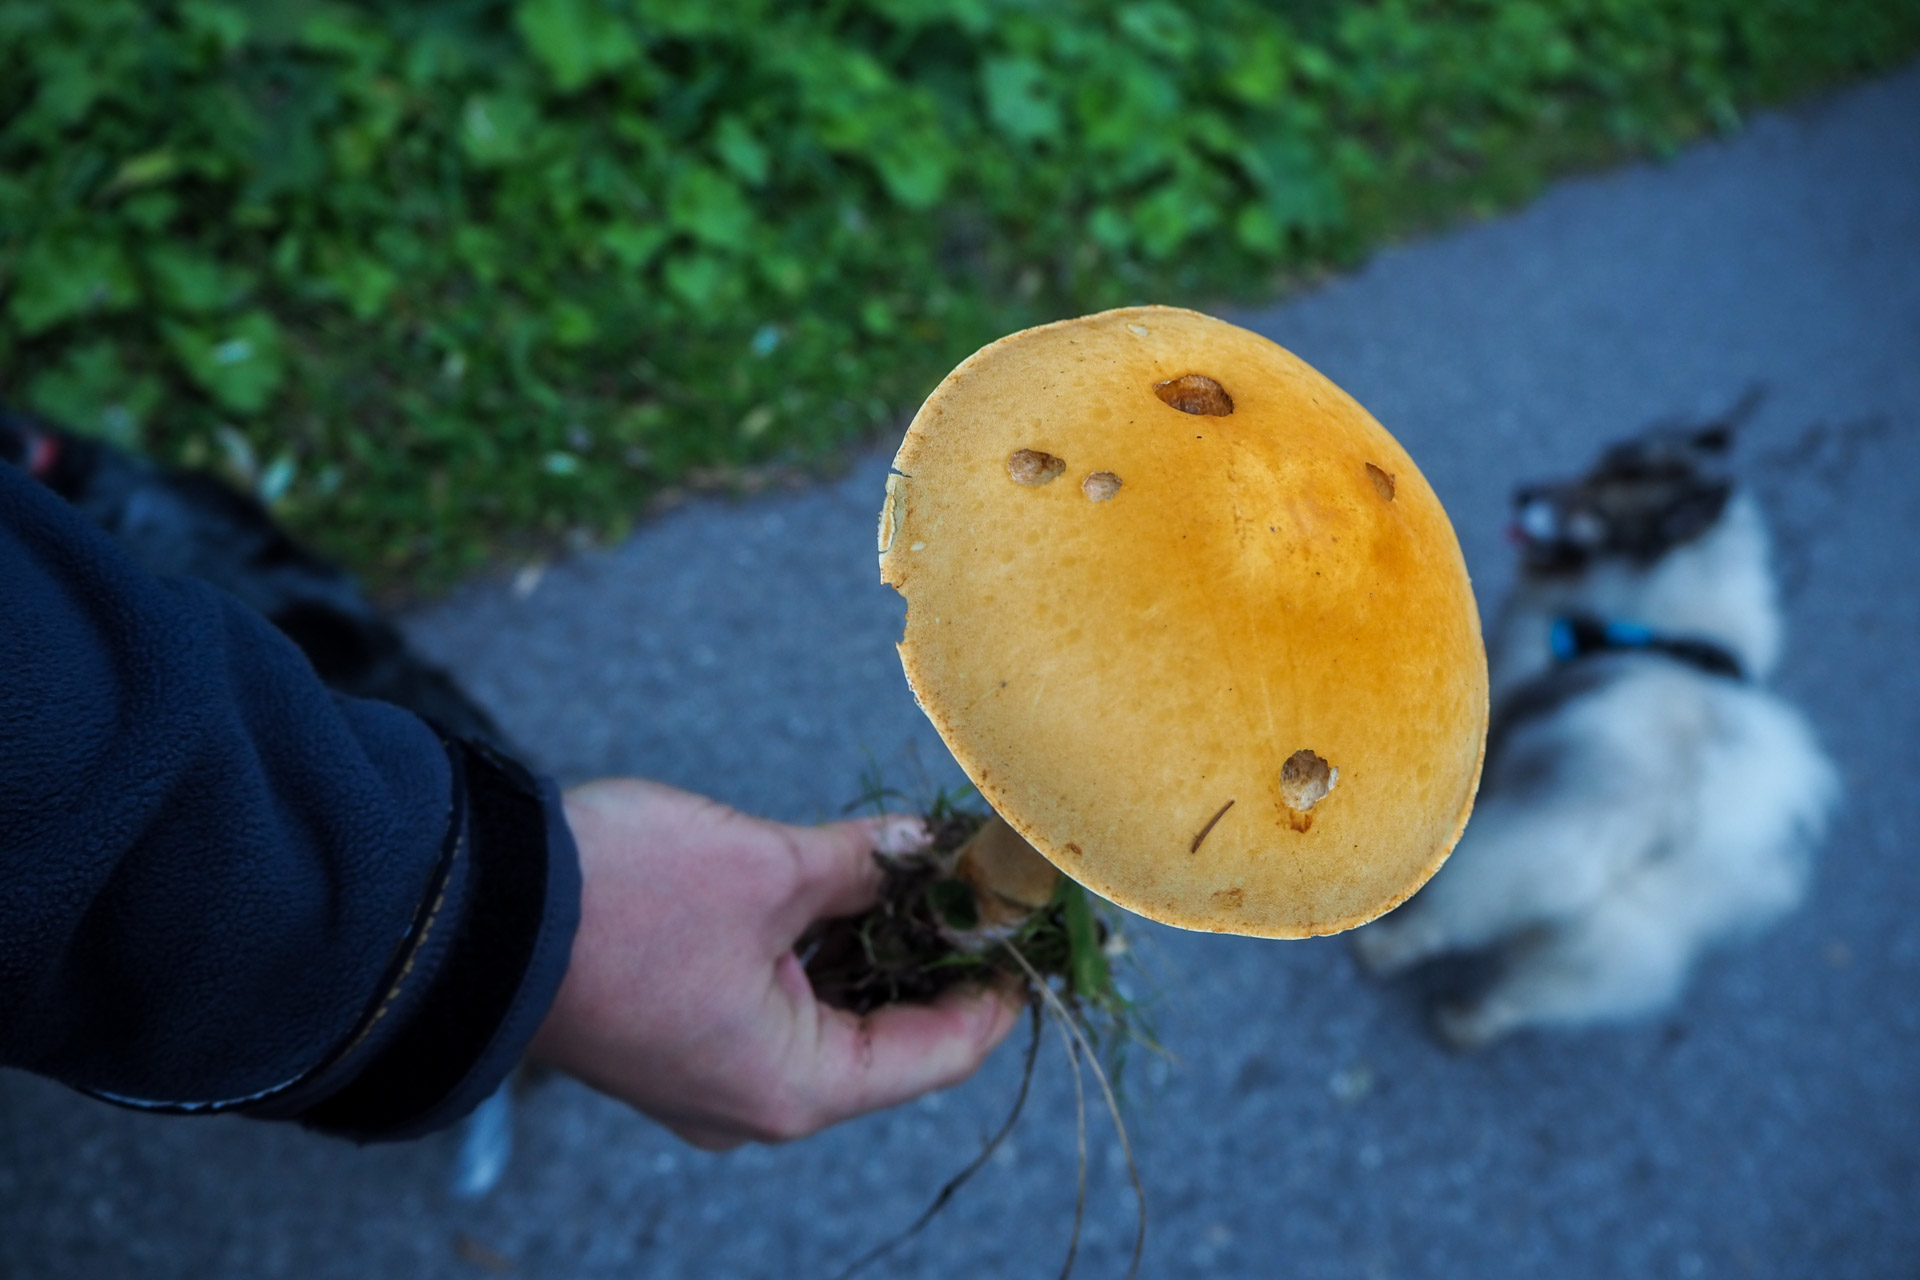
(838, 876)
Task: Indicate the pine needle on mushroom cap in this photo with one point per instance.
(1191, 620)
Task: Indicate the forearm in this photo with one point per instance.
(218, 881)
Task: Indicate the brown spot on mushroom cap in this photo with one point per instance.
(1032, 467)
(1305, 780)
(1100, 486)
(1157, 658)
(1195, 393)
(1382, 481)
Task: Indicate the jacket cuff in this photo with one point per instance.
(487, 957)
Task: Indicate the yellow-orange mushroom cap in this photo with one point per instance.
(1191, 621)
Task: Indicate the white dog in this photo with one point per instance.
(1644, 795)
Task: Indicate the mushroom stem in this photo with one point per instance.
(1009, 876)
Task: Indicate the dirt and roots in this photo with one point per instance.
(937, 925)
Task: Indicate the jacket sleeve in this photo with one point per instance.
(224, 888)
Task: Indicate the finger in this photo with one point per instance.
(838, 876)
(901, 1051)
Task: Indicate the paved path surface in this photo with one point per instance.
(1306, 1128)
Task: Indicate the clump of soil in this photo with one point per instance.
(903, 949)
(933, 930)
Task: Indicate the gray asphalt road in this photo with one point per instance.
(1304, 1126)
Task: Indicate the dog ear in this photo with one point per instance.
(1717, 437)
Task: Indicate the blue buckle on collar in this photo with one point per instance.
(1561, 642)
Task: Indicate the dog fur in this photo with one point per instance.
(1636, 808)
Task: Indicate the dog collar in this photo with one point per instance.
(1582, 635)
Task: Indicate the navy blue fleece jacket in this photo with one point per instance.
(223, 887)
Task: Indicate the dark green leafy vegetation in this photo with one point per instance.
(448, 275)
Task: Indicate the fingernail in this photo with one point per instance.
(900, 835)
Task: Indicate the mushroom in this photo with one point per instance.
(1009, 878)
(1236, 683)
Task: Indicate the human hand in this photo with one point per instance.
(684, 996)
